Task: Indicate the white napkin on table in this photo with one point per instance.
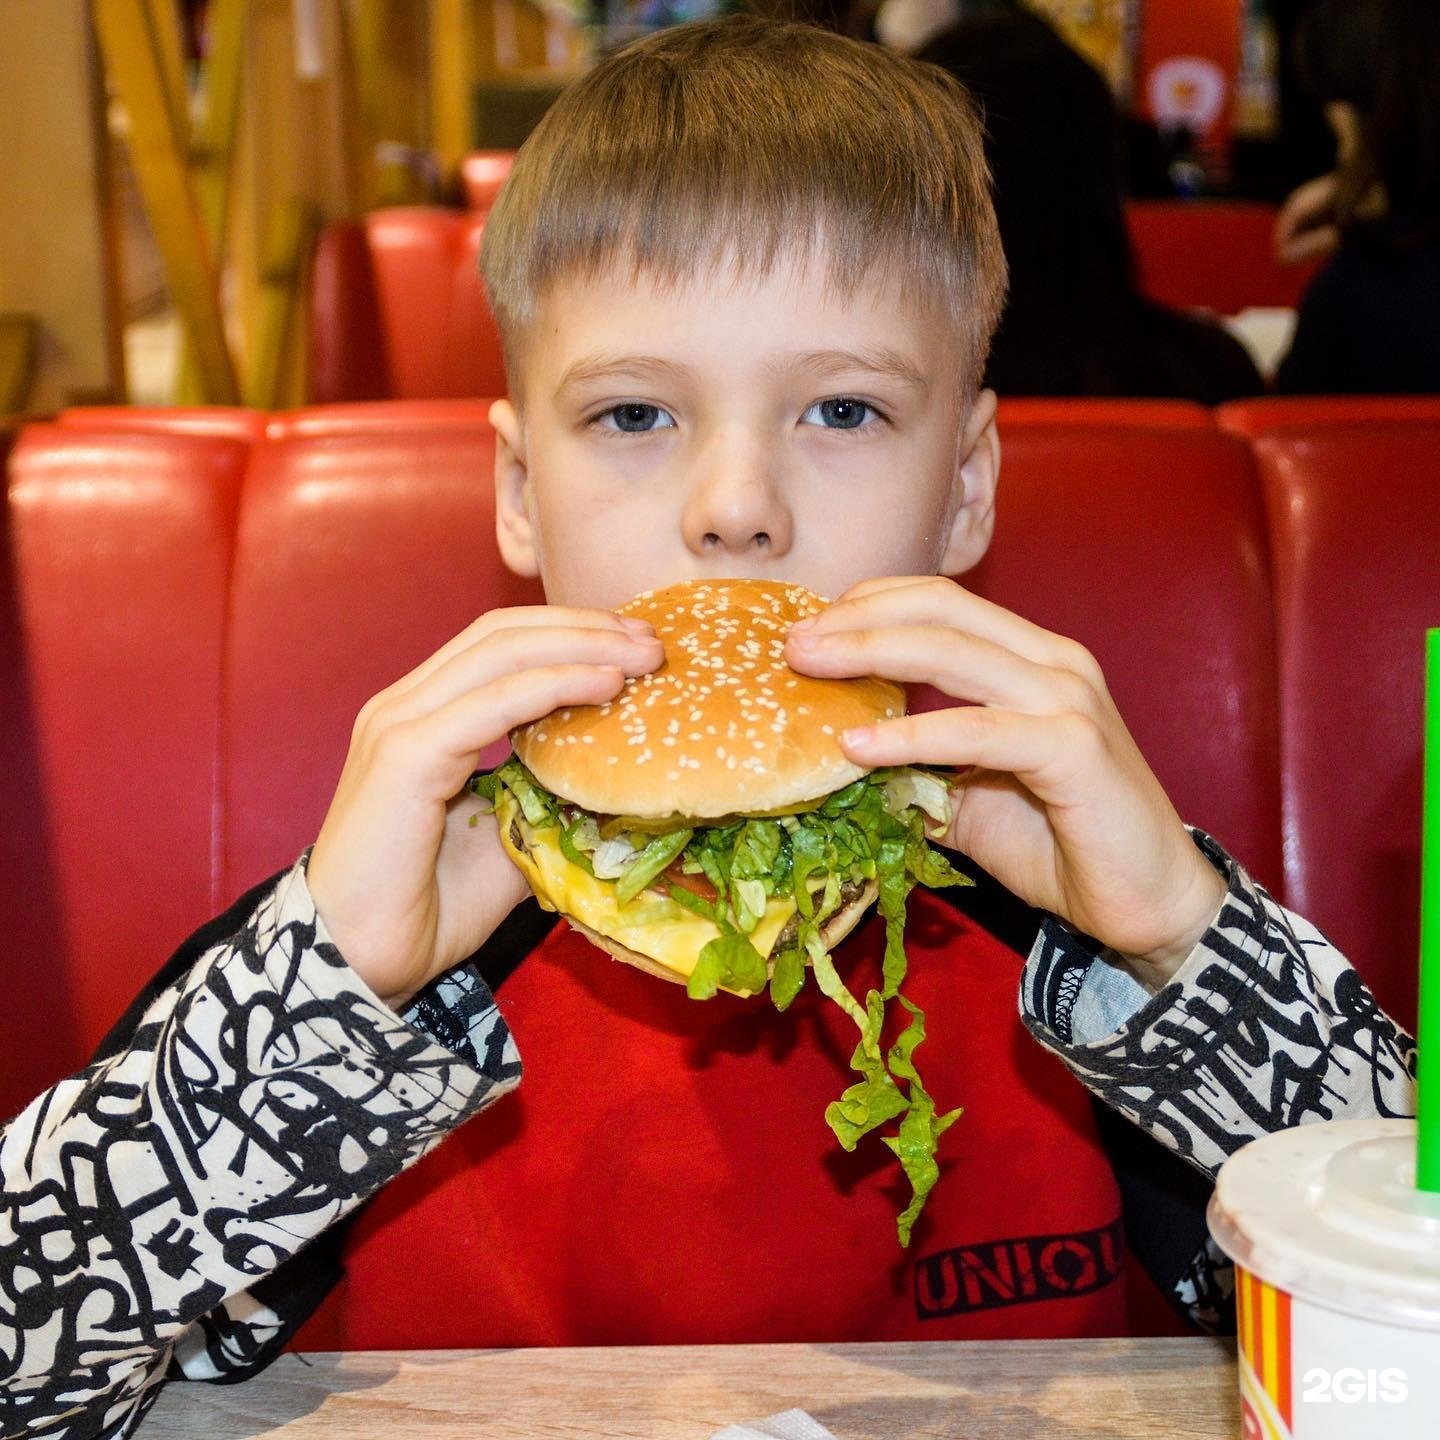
(787, 1425)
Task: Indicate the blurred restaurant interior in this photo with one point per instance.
(247, 370)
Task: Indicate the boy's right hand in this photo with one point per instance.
(406, 886)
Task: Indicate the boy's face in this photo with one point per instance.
(769, 428)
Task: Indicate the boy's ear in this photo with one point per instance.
(514, 524)
(977, 473)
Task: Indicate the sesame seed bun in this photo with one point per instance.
(723, 727)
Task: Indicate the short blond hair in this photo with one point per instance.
(749, 140)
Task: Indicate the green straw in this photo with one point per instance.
(1427, 1149)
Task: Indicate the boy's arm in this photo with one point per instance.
(1254, 1021)
(1248, 1018)
(264, 1092)
(1265, 1025)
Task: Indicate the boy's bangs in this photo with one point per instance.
(741, 236)
(736, 146)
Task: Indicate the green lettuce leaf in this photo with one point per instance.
(728, 960)
(920, 1129)
(568, 847)
(655, 859)
(873, 829)
(788, 976)
(689, 900)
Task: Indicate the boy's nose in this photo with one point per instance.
(737, 509)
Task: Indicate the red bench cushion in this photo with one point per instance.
(114, 576)
(1355, 511)
(360, 555)
(1148, 546)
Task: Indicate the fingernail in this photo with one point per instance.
(636, 626)
(802, 625)
(860, 735)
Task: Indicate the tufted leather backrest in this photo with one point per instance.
(195, 606)
(1148, 546)
(398, 309)
(113, 587)
(360, 553)
(1212, 255)
(1355, 519)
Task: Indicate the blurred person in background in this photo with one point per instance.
(1370, 321)
(1075, 322)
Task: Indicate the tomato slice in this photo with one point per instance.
(695, 884)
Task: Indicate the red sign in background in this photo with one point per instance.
(1185, 69)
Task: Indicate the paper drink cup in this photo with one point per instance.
(1337, 1267)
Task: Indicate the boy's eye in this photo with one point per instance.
(841, 413)
(635, 418)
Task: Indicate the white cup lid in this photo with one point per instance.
(1330, 1213)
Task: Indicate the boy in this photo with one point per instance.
(746, 274)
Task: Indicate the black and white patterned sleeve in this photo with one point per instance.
(1266, 1025)
(262, 1096)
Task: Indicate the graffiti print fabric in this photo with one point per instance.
(262, 1096)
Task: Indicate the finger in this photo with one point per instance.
(1044, 751)
(520, 617)
(509, 651)
(1313, 244)
(435, 753)
(936, 601)
(962, 665)
(878, 583)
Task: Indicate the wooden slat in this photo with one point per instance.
(137, 73)
(458, 54)
(271, 385)
(212, 153)
(213, 144)
(164, 16)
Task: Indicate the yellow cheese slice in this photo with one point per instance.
(650, 924)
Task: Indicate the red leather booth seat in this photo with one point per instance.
(1092, 414)
(197, 604)
(1253, 418)
(359, 554)
(115, 582)
(1212, 255)
(398, 310)
(194, 611)
(482, 173)
(1355, 519)
(1148, 546)
(227, 421)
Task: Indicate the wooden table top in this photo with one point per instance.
(1180, 1389)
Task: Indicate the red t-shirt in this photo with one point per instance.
(664, 1174)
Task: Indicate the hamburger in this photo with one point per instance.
(706, 827)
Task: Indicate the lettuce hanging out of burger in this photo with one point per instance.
(706, 826)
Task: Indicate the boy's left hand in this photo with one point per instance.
(1059, 805)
